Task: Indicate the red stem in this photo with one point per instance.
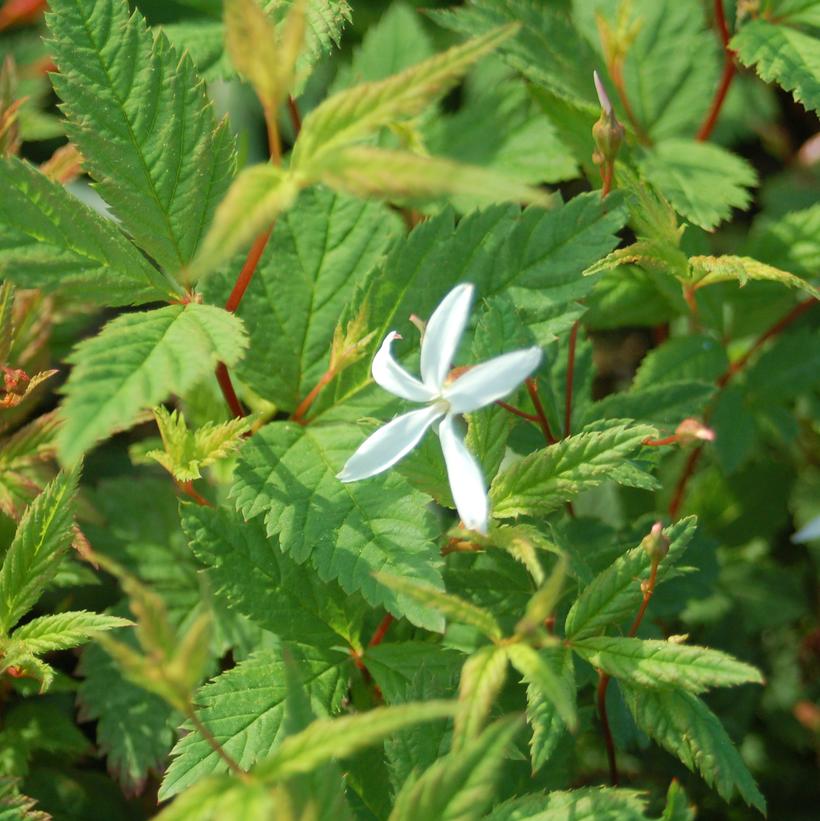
(654, 443)
(573, 337)
(248, 270)
(189, 489)
(224, 380)
(304, 406)
(381, 630)
(20, 11)
(295, 116)
(540, 413)
(647, 595)
(729, 72)
(530, 417)
(606, 178)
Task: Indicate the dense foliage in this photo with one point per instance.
(242, 576)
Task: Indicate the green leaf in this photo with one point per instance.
(135, 729)
(783, 55)
(482, 677)
(461, 785)
(328, 739)
(349, 116)
(543, 481)
(548, 727)
(319, 252)
(695, 357)
(687, 728)
(187, 452)
(51, 240)
(142, 119)
(64, 630)
(250, 573)
(288, 472)
(244, 709)
(664, 403)
(543, 602)
(135, 362)
(452, 607)
(701, 180)
(43, 536)
(538, 673)
(677, 805)
(648, 663)
(401, 175)
(727, 268)
(535, 258)
(615, 594)
(790, 242)
(258, 195)
(222, 796)
(585, 804)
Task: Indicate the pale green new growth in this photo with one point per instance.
(482, 677)
(709, 270)
(63, 631)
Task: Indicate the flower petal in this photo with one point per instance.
(443, 334)
(388, 444)
(393, 378)
(491, 380)
(466, 478)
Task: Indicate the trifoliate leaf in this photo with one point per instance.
(43, 536)
(784, 55)
(244, 709)
(615, 594)
(687, 728)
(50, 240)
(319, 252)
(187, 452)
(141, 118)
(701, 180)
(459, 786)
(252, 574)
(648, 663)
(135, 362)
(348, 530)
(547, 478)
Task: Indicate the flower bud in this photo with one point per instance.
(656, 544)
(607, 132)
(691, 430)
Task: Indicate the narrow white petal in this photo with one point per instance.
(443, 334)
(491, 380)
(466, 479)
(388, 444)
(393, 378)
(809, 532)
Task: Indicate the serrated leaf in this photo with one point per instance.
(701, 180)
(51, 240)
(452, 607)
(547, 478)
(288, 472)
(728, 268)
(320, 251)
(187, 452)
(252, 574)
(482, 677)
(687, 728)
(135, 362)
(537, 672)
(42, 538)
(649, 663)
(548, 728)
(244, 709)
(585, 804)
(459, 786)
(328, 739)
(255, 199)
(135, 729)
(63, 631)
(140, 115)
(369, 172)
(349, 116)
(615, 594)
(783, 55)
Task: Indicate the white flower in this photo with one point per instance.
(443, 401)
